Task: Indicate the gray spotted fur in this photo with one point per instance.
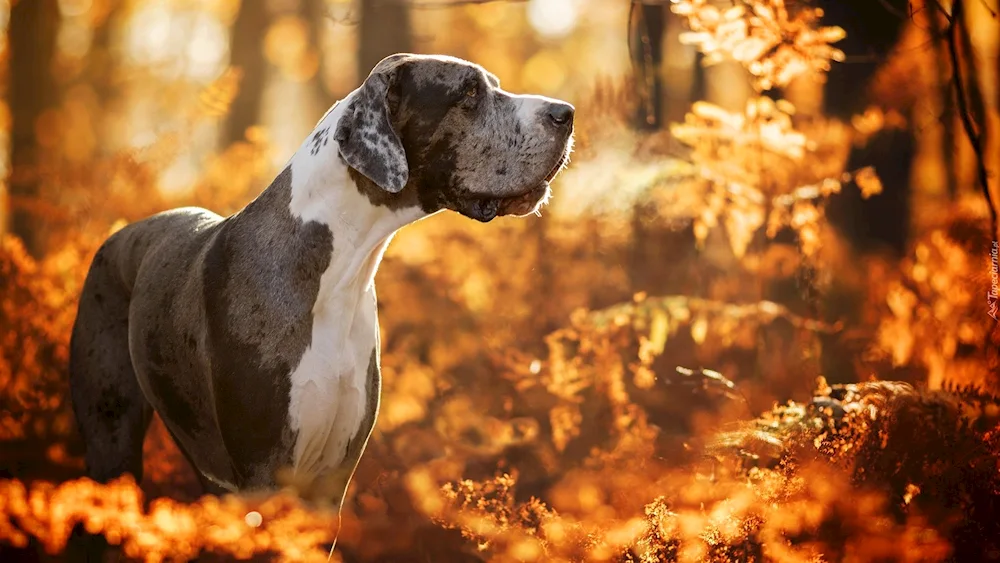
(367, 140)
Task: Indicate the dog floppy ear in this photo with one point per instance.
(368, 141)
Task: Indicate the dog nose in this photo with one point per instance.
(560, 113)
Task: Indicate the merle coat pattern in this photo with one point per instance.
(255, 336)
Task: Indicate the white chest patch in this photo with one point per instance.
(328, 402)
(329, 395)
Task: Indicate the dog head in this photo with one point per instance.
(443, 131)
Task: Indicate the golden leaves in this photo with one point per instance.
(742, 222)
(734, 154)
(773, 45)
(764, 125)
(592, 354)
(658, 332)
(936, 305)
(868, 181)
(781, 474)
(168, 529)
(896, 336)
(805, 219)
(699, 329)
(565, 419)
(746, 165)
(36, 312)
(873, 120)
(409, 397)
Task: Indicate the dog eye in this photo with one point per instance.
(472, 91)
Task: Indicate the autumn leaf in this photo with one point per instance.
(868, 181)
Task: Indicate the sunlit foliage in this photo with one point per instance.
(776, 43)
(169, 529)
(636, 376)
(936, 313)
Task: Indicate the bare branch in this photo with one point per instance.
(899, 13)
(990, 9)
(964, 110)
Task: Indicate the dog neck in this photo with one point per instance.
(324, 190)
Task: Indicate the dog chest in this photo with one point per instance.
(329, 400)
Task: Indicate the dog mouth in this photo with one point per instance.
(529, 202)
(563, 161)
(526, 203)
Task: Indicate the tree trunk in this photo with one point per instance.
(247, 54)
(680, 71)
(385, 30)
(647, 60)
(32, 34)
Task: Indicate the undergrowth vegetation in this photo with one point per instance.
(645, 384)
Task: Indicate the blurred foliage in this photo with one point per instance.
(937, 311)
(537, 404)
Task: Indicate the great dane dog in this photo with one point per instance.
(255, 336)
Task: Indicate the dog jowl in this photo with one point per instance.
(255, 336)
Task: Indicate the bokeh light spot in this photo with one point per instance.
(553, 18)
(286, 46)
(206, 48)
(72, 8)
(544, 71)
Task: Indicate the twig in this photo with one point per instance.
(989, 8)
(894, 10)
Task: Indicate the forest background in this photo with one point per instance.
(757, 321)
